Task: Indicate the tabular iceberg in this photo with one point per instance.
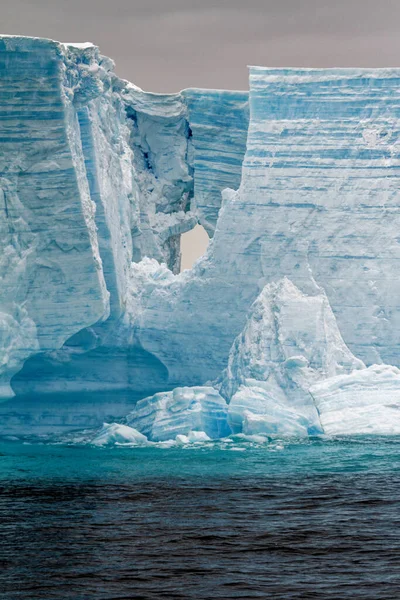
(296, 183)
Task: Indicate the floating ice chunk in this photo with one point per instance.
(193, 437)
(183, 411)
(363, 402)
(115, 433)
(182, 440)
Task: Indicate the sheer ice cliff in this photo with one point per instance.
(290, 323)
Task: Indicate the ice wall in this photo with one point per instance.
(219, 121)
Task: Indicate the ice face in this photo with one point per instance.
(322, 151)
(291, 339)
(96, 174)
(318, 220)
(256, 410)
(49, 248)
(218, 122)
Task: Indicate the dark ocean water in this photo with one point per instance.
(317, 519)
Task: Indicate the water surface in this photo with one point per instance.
(316, 519)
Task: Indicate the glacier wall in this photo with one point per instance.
(296, 179)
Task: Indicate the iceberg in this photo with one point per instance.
(296, 183)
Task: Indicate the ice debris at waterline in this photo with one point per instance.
(117, 434)
(274, 330)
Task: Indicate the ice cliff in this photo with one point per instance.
(296, 183)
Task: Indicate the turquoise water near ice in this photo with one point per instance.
(312, 519)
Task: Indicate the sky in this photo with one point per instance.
(167, 45)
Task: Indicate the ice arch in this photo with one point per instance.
(193, 245)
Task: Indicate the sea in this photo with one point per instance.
(286, 519)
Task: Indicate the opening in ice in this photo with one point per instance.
(193, 245)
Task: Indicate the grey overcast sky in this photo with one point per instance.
(166, 45)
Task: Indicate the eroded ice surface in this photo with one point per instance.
(257, 409)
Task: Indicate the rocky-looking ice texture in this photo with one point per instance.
(98, 180)
(289, 374)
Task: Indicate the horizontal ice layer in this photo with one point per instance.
(168, 414)
(363, 402)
